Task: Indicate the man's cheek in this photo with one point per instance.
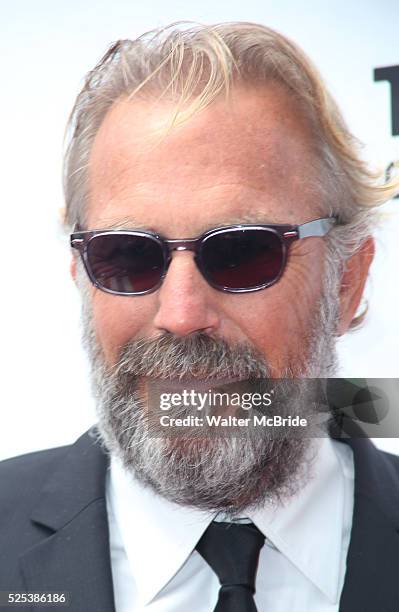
(112, 327)
(118, 320)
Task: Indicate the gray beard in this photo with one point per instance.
(229, 473)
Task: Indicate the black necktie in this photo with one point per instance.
(232, 550)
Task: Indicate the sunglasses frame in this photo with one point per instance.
(80, 240)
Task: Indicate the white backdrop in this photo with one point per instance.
(46, 47)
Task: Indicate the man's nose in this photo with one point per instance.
(186, 303)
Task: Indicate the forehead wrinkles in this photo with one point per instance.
(259, 140)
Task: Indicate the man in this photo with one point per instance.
(221, 226)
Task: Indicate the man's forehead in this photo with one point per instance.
(252, 148)
(260, 126)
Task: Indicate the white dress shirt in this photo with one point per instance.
(301, 567)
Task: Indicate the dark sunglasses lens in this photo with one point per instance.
(125, 263)
(243, 259)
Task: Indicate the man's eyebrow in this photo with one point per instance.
(124, 223)
(253, 218)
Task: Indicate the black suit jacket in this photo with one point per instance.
(54, 530)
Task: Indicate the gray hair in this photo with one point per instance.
(193, 66)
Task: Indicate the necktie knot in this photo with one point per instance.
(232, 550)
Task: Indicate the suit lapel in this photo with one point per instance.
(75, 555)
(73, 552)
(371, 579)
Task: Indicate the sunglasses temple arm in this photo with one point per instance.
(319, 227)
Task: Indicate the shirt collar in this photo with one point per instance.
(307, 529)
(158, 535)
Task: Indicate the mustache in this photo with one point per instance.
(198, 356)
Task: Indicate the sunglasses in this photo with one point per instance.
(235, 258)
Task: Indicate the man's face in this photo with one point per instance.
(249, 160)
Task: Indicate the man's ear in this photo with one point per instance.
(352, 283)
